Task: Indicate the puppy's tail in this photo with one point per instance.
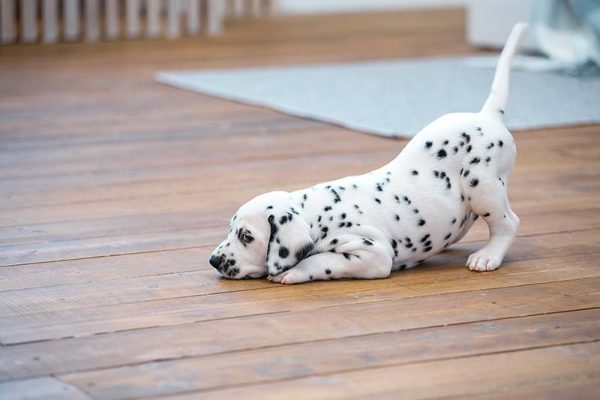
(496, 102)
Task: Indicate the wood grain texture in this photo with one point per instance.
(115, 189)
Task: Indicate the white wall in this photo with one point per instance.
(330, 6)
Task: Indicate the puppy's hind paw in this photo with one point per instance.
(483, 261)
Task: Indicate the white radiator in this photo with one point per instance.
(50, 21)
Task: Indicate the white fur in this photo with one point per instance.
(395, 217)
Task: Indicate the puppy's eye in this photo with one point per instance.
(245, 237)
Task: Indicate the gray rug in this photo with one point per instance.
(399, 97)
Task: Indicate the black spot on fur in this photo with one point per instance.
(453, 220)
(334, 241)
(346, 255)
(442, 154)
(436, 173)
(426, 249)
(474, 182)
(490, 145)
(304, 250)
(377, 200)
(368, 242)
(397, 217)
(447, 236)
(428, 145)
(466, 173)
(469, 148)
(274, 227)
(421, 222)
(486, 215)
(467, 137)
(328, 271)
(269, 207)
(475, 160)
(424, 238)
(415, 172)
(327, 208)
(500, 143)
(336, 196)
(283, 252)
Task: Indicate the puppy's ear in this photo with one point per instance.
(289, 242)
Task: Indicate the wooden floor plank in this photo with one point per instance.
(348, 354)
(219, 336)
(493, 373)
(45, 388)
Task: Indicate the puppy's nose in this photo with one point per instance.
(215, 261)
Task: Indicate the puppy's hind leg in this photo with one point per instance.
(488, 198)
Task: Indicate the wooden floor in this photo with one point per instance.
(114, 190)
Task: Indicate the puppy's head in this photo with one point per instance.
(266, 236)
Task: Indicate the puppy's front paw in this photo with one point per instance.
(290, 277)
(483, 261)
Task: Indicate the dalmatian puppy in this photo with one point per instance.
(395, 217)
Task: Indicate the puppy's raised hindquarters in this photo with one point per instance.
(453, 171)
